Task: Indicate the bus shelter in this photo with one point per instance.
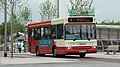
(107, 35)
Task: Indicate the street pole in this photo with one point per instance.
(11, 39)
(5, 20)
(12, 22)
(57, 8)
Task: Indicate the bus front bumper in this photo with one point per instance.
(76, 51)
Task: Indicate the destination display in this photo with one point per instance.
(80, 19)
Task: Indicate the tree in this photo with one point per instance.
(17, 11)
(12, 5)
(18, 28)
(47, 10)
(1, 40)
(81, 7)
(106, 22)
(26, 15)
(1, 30)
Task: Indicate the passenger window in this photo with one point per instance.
(37, 33)
(46, 33)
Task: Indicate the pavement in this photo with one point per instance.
(104, 55)
(28, 58)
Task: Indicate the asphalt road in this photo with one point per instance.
(88, 61)
(80, 63)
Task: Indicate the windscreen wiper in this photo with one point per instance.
(76, 36)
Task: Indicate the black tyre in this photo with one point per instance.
(54, 52)
(82, 55)
(61, 55)
(37, 52)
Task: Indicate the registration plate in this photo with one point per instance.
(82, 51)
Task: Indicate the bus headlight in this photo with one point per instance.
(93, 46)
(69, 48)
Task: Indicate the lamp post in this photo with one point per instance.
(5, 20)
(57, 8)
(12, 21)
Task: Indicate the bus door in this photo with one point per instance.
(31, 40)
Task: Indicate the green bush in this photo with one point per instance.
(1, 41)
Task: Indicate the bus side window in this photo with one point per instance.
(46, 33)
(35, 34)
(59, 31)
(43, 33)
(44, 36)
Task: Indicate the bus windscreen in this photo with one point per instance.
(80, 32)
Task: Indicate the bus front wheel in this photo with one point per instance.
(82, 55)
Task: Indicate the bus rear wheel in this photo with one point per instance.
(82, 55)
(37, 52)
(61, 55)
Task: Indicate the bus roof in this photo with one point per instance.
(53, 21)
(37, 24)
(47, 23)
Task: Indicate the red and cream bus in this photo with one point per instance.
(66, 36)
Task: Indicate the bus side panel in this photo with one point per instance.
(61, 50)
(45, 46)
(60, 46)
(45, 50)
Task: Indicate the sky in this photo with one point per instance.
(104, 9)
